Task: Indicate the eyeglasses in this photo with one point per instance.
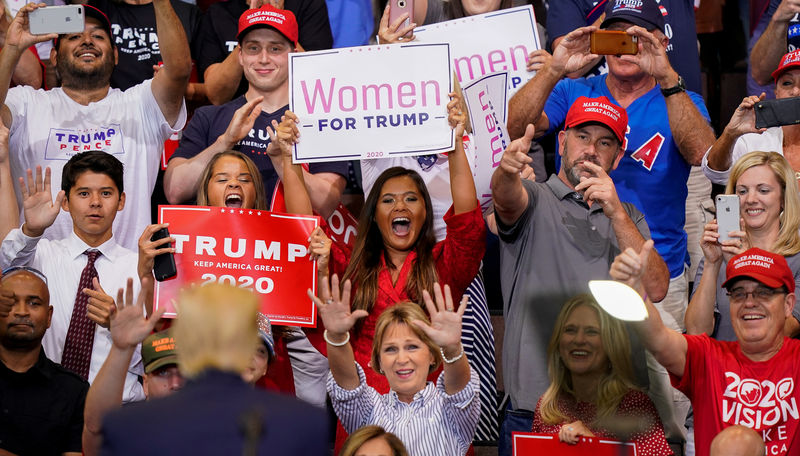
(759, 294)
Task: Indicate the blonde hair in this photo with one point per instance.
(260, 202)
(367, 433)
(618, 379)
(402, 313)
(788, 242)
(215, 329)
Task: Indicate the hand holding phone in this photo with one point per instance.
(613, 42)
(164, 263)
(392, 29)
(727, 216)
(774, 113)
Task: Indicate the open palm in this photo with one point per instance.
(334, 307)
(445, 327)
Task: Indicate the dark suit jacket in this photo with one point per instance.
(207, 418)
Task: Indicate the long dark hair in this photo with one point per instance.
(365, 262)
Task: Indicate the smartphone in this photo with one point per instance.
(164, 263)
(397, 8)
(774, 113)
(727, 215)
(56, 19)
(613, 42)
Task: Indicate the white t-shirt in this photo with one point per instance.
(49, 127)
(769, 141)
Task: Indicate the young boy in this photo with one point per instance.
(92, 193)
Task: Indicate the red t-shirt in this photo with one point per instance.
(727, 388)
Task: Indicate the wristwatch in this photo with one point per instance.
(678, 88)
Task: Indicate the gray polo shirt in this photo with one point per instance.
(556, 246)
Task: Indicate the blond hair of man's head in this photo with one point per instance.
(216, 329)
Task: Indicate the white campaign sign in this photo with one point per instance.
(486, 103)
(488, 43)
(371, 101)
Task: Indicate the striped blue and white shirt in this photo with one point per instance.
(433, 424)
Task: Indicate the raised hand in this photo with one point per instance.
(786, 10)
(101, 306)
(37, 203)
(455, 114)
(652, 56)
(3, 143)
(393, 33)
(445, 327)
(334, 307)
(743, 119)
(712, 252)
(573, 52)
(571, 433)
(515, 157)
(242, 122)
(319, 247)
(629, 266)
(129, 327)
(6, 300)
(283, 136)
(19, 35)
(538, 59)
(149, 249)
(600, 189)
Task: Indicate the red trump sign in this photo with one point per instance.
(266, 252)
(528, 444)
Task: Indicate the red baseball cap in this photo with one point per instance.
(268, 16)
(766, 267)
(788, 61)
(598, 110)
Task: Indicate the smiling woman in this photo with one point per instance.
(592, 392)
(770, 219)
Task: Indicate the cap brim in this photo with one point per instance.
(777, 73)
(768, 281)
(244, 32)
(596, 122)
(161, 362)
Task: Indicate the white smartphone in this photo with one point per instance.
(56, 19)
(727, 215)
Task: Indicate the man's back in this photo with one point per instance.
(212, 415)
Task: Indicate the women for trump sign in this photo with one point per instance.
(266, 252)
(371, 101)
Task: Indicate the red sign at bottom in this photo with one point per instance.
(528, 444)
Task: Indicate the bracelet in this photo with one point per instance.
(340, 344)
(451, 360)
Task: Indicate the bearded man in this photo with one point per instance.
(48, 127)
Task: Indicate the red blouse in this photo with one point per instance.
(458, 258)
(635, 408)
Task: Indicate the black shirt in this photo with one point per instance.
(217, 33)
(41, 410)
(134, 30)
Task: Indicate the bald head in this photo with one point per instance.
(737, 441)
(30, 313)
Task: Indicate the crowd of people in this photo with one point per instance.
(167, 102)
